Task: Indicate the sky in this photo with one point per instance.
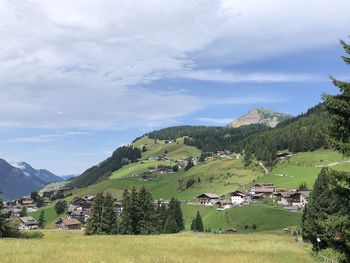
(80, 78)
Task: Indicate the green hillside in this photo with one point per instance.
(176, 150)
(304, 167)
(220, 176)
(265, 217)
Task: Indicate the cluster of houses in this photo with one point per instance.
(291, 199)
(218, 154)
(13, 208)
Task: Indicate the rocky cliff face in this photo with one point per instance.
(260, 116)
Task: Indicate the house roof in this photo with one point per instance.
(28, 220)
(209, 195)
(239, 193)
(71, 222)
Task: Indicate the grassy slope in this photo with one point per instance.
(67, 246)
(264, 216)
(227, 175)
(303, 167)
(176, 150)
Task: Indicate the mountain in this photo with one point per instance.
(67, 177)
(260, 116)
(18, 179)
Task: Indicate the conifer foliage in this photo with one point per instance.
(327, 215)
(140, 215)
(197, 223)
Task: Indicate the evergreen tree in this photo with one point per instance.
(171, 225)
(34, 196)
(60, 206)
(175, 209)
(189, 165)
(162, 217)
(338, 107)
(39, 201)
(5, 228)
(94, 223)
(125, 221)
(147, 216)
(108, 215)
(41, 220)
(135, 211)
(23, 211)
(198, 223)
(322, 202)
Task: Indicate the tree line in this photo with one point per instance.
(140, 215)
(120, 157)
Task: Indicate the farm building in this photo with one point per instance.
(208, 199)
(27, 223)
(239, 197)
(70, 224)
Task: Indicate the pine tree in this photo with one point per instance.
(5, 229)
(338, 107)
(147, 216)
(175, 209)
(23, 211)
(108, 215)
(336, 225)
(135, 211)
(189, 165)
(171, 225)
(94, 223)
(198, 223)
(41, 220)
(161, 218)
(322, 202)
(125, 221)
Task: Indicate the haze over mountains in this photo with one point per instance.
(20, 178)
(260, 116)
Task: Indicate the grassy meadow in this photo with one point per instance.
(304, 167)
(265, 217)
(69, 246)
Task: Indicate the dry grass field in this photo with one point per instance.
(66, 246)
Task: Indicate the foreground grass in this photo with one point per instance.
(65, 246)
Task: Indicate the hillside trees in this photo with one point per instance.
(328, 213)
(5, 228)
(41, 220)
(60, 206)
(140, 216)
(120, 157)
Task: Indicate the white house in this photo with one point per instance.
(300, 198)
(238, 197)
(27, 223)
(208, 199)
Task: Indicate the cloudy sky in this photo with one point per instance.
(80, 78)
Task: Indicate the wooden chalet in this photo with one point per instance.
(70, 224)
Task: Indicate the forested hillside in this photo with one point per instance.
(208, 138)
(120, 157)
(307, 132)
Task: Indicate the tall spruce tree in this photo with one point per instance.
(147, 217)
(135, 211)
(175, 209)
(94, 223)
(41, 220)
(5, 229)
(322, 202)
(125, 218)
(337, 225)
(197, 223)
(108, 215)
(171, 225)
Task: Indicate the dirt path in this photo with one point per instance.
(333, 164)
(264, 168)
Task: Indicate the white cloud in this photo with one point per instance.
(218, 75)
(45, 137)
(80, 64)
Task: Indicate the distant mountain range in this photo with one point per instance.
(18, 179)
(260, 116)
